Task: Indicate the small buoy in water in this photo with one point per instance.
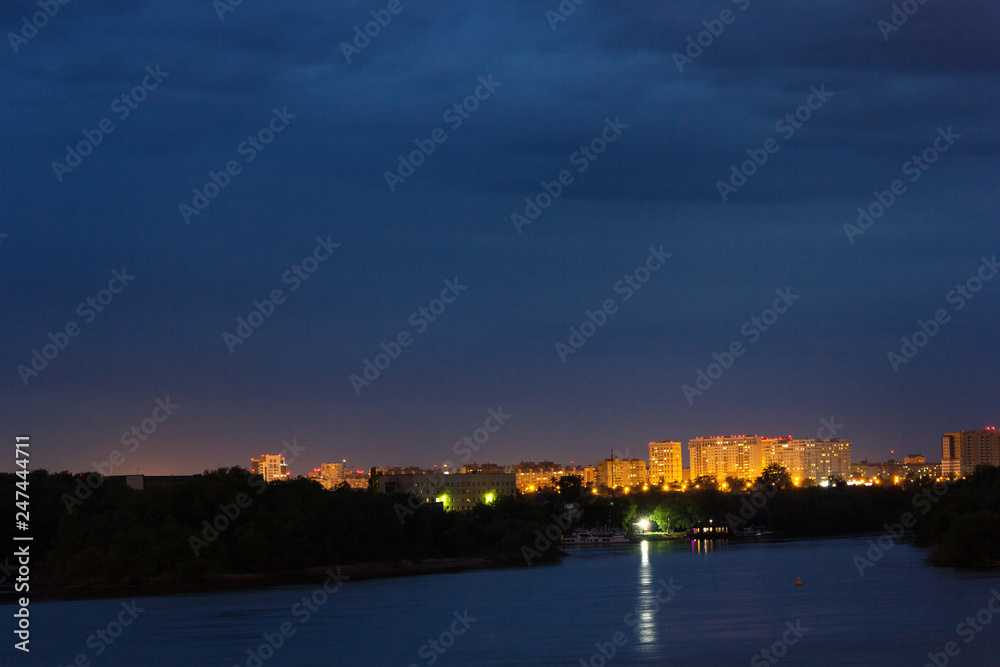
(798, 581)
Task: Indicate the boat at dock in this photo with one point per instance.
(594, 538)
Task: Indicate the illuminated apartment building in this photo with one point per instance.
(630, 473)
(332, 472)
(962, 451)
(733, 456)
(665, 462)
(826, 458)
(270, 466)
(787, 452)
(459, 491)
(532, 477)
(356, 479)
(809, 458)
(328, 474)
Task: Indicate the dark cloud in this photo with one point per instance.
(656, 184)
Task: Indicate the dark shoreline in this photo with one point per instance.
(164, 586)
(256, 581)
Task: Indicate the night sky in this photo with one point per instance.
(641, 139)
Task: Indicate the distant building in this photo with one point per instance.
(733, 456)
(531, 477)
(483, 467)
(825, 459)
(962, 451)
(271, 467)
(356, 479)
(459, 491)
(587, 473)
(893, 472)
(786, 452)
(613, 473)
(328, 474)
(408, 470)
(665, 462)
(332, 472)
(914, 458)
(920, 470)
(803, 458)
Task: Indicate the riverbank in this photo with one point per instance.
(252, 581)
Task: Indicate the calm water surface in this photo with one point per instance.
(730, 602)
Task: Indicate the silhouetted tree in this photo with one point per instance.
(373, 476)
(776, 476)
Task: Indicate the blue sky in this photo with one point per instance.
(223, 86)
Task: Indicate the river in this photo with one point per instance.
(655, 603)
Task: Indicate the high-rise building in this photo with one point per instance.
(328, 474)
(962, 451)
(270, 466)
(787, 452)
(533, 476)
(808, 458)
(665, 462)
(613, 473)
(332, 472)
(733, 456)
(826, 458)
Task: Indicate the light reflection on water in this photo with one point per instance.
(734, 600)
(646, 628)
